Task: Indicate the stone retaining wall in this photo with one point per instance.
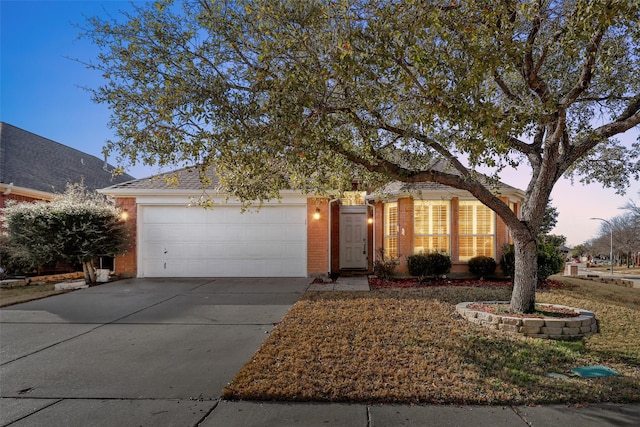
(41, 279)
(543, 327)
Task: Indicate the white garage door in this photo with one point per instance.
(178, 241)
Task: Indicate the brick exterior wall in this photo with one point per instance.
(405, 233)
(16, 197)
(379, 229)
(317, 237)
(127, 264)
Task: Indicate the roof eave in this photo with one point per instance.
(7, 189)
(178, 192)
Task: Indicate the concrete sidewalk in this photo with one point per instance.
(158, 352)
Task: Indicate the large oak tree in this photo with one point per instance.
(311, 93)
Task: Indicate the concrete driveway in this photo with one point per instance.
(134, 352)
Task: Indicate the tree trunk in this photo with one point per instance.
(523, 297)
(89, 272)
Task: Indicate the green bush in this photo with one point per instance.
(432, 264)
(384, 268)
(550, 261)
(508, 261)
(482, 266)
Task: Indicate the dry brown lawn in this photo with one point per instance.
(410, 346)
(19, 294)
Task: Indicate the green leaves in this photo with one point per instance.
(74, 226)
(310, 94)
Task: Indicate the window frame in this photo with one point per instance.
(390, 242)
(476, 233)
(419, 220)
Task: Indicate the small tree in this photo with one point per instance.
(76, 226)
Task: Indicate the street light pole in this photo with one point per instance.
(611, 231)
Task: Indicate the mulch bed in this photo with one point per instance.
(541, 311)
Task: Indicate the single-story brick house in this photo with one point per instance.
(299, 235)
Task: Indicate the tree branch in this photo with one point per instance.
(629, 118)
(505, 89)
(530, 72)
(584, 81)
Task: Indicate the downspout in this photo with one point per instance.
(330, 237)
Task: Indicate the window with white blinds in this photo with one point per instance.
(476, 230)
(431, 226)
(391, 230)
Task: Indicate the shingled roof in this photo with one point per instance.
(187, 178)
(32, 162)
(398, 188)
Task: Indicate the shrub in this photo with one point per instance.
(432, 264)
(508, 261)
(384, 268)
(75, 227)
(482, 266)
(550, 261)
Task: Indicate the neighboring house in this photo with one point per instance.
(299, 235)
(35, 168)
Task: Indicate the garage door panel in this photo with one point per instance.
(295, 217)
(165, 269)
(158, 233)
(234, 232)
(215, 250)
(159, 216)
(195, 242)
(195, 250)
(256, 232)
(166, 233)
(191, 232)
(212, 231)
(154, 250)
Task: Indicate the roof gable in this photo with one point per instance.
(399, 188)
(33, 162)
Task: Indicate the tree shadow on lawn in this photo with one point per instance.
(411, 347)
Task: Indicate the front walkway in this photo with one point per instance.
(348, 283)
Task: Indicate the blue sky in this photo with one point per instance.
(41, 92)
